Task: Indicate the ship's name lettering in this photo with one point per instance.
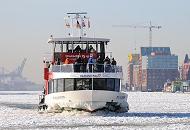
(71, 56)
(58, 97)
(90, 76)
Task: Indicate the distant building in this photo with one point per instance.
(137, 77)
(158, 65)
(177, 86)
(132, 71)
(168, 86)
(185, 69)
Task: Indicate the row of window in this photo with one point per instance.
(59, 47)
(61, 85)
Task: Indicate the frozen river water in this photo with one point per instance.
(18, 110)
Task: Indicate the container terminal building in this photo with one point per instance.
(149, 70)
(158, 66)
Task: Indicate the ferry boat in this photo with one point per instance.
(80, 75)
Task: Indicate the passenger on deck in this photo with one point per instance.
(100, 64)
(87, 48)
(91, 49)
(78, 64)
(84, 63)
(77, 49)
(91, 62)
(67, 61)
(107, 60)
(107, 64)
(113, 63)
(58, 61)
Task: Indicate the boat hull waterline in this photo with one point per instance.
(88, 100)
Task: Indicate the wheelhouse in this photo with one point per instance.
(72, 47)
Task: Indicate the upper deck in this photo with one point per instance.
(78, 40)
(80, 62)
(80, 54)
(73, 47)
(84, 71)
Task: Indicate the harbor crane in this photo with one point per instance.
(150, 27)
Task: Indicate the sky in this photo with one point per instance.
(25, 27)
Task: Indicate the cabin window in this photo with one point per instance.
(110, 84)
(69, 84)
(84, 47)
(83, 84)
(102, 48)
(99, 84)
(70, 47)
(106, 84)
(55, 85)
(65, 49)
(79, 48)
(98, 48)
(92, 47)
(60, 85)
(58, 47)
(117, 85)
(50, 87)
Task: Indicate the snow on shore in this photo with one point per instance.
(18, 110)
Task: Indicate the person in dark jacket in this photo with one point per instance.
(113, 63)
(84, 63)
(77, 49)
(107, 64)
(100, 64)
(107, 60)
(78, 64)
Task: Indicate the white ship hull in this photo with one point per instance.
(89, 100)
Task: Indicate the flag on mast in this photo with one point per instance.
(83, 24)
(88, 23)
(67, 25)
(78, 24)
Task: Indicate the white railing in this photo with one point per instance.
(83, 68)
(62, 68)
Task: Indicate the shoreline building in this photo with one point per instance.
(177, 86)
(158, 66)
(185, 69)
(133, 71)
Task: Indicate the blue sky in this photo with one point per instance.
(25, 27)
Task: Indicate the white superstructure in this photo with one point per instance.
(81, 76)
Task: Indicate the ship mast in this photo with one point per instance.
(77, 22)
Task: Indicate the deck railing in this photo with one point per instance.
(83, 68)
